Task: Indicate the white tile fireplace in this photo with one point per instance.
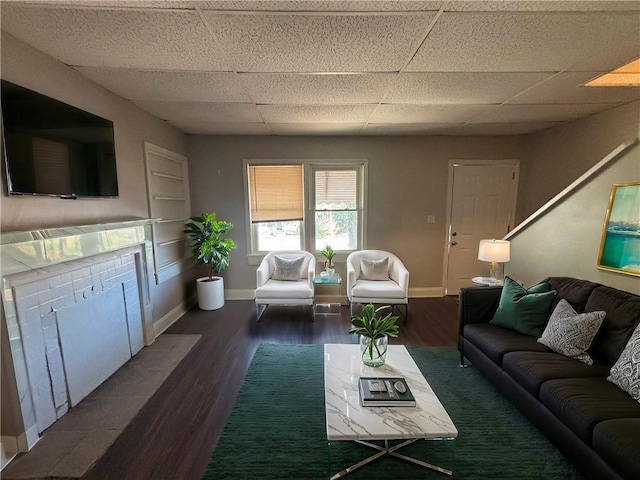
(76, 307)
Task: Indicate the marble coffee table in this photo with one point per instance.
(347, 420)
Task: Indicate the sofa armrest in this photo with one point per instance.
(477, 305)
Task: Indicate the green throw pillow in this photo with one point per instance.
(523, 310)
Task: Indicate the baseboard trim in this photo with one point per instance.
(174, 314)
(426, 292)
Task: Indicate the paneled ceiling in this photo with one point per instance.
(343, 67)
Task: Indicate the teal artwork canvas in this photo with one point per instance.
(620, 244)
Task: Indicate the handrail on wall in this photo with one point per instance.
(568, 190)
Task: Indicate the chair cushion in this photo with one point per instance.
(532, 369)
(377, 270)
(571, 333)
(377, 289)
(582, 403)
(287, 269)
(618, 443)
(625, 373)
(284, 289)
(522, 310)
(495, 341)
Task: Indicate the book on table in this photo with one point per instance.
(385, 392)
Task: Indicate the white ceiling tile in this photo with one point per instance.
(524, 42)
(411, 128)
(282, 88)
(541, 5)
(321, 6)
(318, 43)
(169, 86)
(425, 113)
(504, 128)
(316, 128)
(176, 40)
(566, 88)
(537, 113)
(196, 127)
(202, 112)
(315, 114)
(460, 88)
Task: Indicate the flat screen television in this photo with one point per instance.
(51, 148)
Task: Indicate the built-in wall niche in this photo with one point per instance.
(170, 206)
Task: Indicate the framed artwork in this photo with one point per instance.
(620, 243)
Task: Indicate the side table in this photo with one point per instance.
(328, 308)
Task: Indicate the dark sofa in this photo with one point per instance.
(593, 422)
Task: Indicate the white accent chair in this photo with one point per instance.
(284, 292)
(394, 291)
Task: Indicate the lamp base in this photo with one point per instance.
(494, 272)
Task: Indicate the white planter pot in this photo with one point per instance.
(210, 294)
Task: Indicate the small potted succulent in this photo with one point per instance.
(209, 248)
(374, 330)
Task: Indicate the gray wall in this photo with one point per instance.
(407, 180)
(566, 240)
(32, 69)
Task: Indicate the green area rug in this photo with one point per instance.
(277, 426)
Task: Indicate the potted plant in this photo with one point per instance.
(329, 267)
(209, 248)
(374, 331)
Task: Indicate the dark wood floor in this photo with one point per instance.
(174, 434)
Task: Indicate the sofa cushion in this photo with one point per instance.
(532, 369)
(623, 316)
(618, 443)
(625, 373)
(582, 403)
(495, 341)
(522, 310)
(570, 333)
(573, 290)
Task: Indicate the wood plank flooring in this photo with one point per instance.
(174, 434)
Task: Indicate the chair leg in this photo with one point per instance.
(313, 313)
(260, 311)
(463, 364)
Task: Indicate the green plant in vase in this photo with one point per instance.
(374, 330)
(328, 253)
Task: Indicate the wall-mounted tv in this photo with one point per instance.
(51, 148)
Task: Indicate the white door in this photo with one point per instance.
(483, 198)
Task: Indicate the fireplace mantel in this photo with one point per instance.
(87, 257)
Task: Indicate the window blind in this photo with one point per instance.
(336, 187)
(276, 193)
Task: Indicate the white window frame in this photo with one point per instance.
(307, 227)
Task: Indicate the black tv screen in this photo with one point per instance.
(51, 148)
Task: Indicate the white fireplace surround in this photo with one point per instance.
(76, 307)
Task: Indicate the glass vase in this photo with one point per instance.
(374, 352)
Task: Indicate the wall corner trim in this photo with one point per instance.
(573, 186)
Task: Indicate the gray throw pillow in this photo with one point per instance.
(288, 269)
(571, 333)
(625, 373)
(374, 269)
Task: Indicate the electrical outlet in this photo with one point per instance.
(431, 219)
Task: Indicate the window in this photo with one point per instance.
(306, 205)
(336, 209)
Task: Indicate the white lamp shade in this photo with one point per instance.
(494, 251)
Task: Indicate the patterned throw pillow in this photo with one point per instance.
(374, 269)
(625, 373)
(522, 310)
(288, 269)
(571, 333)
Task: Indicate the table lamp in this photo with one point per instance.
(494, 251)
